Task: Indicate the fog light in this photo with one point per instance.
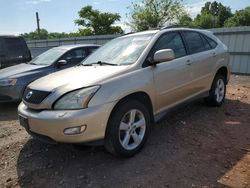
(75, 130)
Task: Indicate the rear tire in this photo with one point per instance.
(128, 129)
(217, 92)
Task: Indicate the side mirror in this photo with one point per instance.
(163, 56)
(61, 63)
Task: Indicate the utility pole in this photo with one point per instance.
(38, 24)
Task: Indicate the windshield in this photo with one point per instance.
(48, 57)
(121, 51)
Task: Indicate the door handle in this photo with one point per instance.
(189, 62)
(214, 54)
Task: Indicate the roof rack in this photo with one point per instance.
(179, 26)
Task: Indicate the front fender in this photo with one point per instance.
(121, 86)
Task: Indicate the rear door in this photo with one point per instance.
(171, 78)
(204, 57)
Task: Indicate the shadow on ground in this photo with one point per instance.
(194, 145)
(8, 111)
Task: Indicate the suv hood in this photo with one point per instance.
(77, 77)
(19, 70)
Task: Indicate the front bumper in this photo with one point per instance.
(52, 123)
(11, 93)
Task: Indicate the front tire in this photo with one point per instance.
(217, 92)
(127, 129)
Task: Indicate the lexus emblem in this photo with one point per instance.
(29, 95)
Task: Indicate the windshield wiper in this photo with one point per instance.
(103, 63)
(97, 63)
(31, 63)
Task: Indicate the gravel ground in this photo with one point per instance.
(193, 146)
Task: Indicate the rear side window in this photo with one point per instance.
(1, 47)
(194, 42)
(172, 41)
(211, 42)
(14, 44)
(206, 43)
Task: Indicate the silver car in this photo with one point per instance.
(127, 84)
(13, 80)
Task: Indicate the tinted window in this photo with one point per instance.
(75, 56)
(14, 47)
(13, 44)
(194, 42)
(211, 42)
(1, 46)
(91, 50)
(205, 42)
(172, 41)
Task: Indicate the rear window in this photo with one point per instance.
(194, 42)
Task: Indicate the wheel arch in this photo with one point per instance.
(140, 96)
(223, 71)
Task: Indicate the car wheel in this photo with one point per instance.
(217, 92)
(127, 129)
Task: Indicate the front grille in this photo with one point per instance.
(34, 96)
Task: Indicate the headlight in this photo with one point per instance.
(78, 99)
(8, 82)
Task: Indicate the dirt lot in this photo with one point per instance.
(193, 146)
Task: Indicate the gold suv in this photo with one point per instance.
(130, 82)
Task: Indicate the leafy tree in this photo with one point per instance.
(147, 14)
(97, 23)
(205, 20)
(213, 14)
(241, 18)
(35, 36)
(186, 20)
(44, 34)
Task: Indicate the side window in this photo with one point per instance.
(91, 50)
(172, 41)
(211, 42)
(194, 42)
(206, 43)
(1, 47)
(75, 56)
(14, 47)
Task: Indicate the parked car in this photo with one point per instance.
(13, 50)
(13, 80)
(124, 86)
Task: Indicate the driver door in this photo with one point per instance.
(172, 77)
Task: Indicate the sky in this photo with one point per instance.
(18, 16)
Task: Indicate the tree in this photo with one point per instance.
(148, 14)
(241, 18)
(215, 12)
(204, 20)
(95, 22)
(186, 20)
(35, 36)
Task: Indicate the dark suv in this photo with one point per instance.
(13, 50)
